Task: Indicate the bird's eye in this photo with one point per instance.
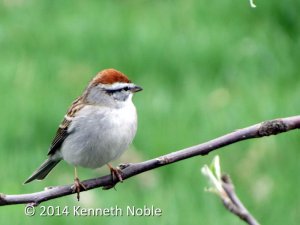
(110, 92)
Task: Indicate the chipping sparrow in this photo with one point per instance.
(98, 127)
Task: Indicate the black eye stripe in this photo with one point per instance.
(109, 91)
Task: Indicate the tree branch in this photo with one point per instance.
(234, 204)
(271, 127)
(224, 188)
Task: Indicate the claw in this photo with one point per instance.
(78, 186)
(115, 172)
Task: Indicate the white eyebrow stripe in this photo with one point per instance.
(117, 86)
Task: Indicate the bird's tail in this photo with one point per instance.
(43, 170)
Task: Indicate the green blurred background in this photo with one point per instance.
(207, 68)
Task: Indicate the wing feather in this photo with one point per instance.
(62, 131)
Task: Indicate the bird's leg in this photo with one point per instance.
(77, 185)
(115, 171)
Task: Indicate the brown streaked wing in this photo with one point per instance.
(62, 131)
(61, 134)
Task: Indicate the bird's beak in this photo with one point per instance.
(136, 89)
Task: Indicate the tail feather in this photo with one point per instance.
(43, 170)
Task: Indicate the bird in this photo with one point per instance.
(97, 128)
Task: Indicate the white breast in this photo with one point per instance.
(99, 135)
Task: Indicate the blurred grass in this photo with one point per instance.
(207, 68)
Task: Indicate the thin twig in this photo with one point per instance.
(267, 128)
(234, 204)
(224, 188)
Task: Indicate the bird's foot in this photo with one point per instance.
(77, 187)
(115, 173)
